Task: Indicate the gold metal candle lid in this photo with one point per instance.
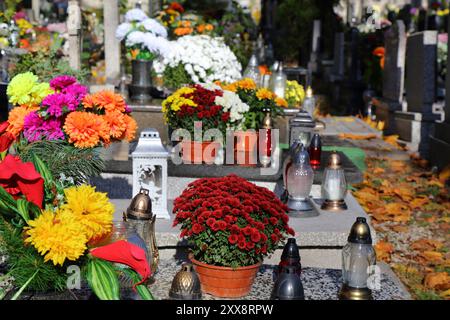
(141, 206)
(360, 232)
(186, 284)
(334, 161)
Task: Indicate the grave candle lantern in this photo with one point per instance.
(139, 216)
(150, 170)
(266, 155)
(334, 185)
(299, 182)
(309, 104)
(252, 70)
(186, 284)
(315, 151)
(278, 81)
(358, 256)
(301, 127)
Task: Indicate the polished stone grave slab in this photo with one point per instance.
(318, 284)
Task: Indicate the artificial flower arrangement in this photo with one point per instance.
(207, 103)
(230, 221)
(260, 101)
(145, 38)
(198, 59)
(45, 228)
(63, 110)
(294, 94)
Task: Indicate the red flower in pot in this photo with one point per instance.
(232, 224)
(21, 179)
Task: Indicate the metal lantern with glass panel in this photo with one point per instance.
(301, 127)
(299, 182)
(358, 261)
(150, 170)
(334, 185)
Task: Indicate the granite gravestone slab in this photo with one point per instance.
(421, 62)
(394, 63)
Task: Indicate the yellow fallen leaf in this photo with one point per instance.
(430, 257)
(352, 136)
(445, 294)
(419, 202)
(378, 170)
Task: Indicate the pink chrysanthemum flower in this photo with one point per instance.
(36, 128)
(60, 103)
(62, 82)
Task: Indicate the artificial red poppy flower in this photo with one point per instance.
(6, 141)
(126, 253)
(21, 179)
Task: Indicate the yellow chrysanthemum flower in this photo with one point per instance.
(264, 93)
(175, 101)
(24, 89)
(56, 236)
(91, 208)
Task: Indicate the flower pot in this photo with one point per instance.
(225, 282)
(246, 148)
(197, 152)
(141, 81)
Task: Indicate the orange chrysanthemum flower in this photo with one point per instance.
(130, 132)
(108, 100)
(281, 102)
(88, 101)
(246, 83)
(16, 118)
(116, 123)
(263, 93)
(86, 130)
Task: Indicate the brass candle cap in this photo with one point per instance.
(140, 207)
(186, 284)
(349, 293)
(334, 161)
(334, 205)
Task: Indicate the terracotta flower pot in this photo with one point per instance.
(194, 151)
(226, 282)
(246, 148)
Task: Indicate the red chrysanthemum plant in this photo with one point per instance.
(230, 221)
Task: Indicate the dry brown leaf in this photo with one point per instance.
(437, 280)
(430, 257)
(426, 245)
(400, 228)
(392, 140)
(406, 194)
(445, 174)
(378, 170)
(419, 202)
(445, 294)
(384, 250)
(397, 165)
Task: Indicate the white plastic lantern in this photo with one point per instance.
(150, 170)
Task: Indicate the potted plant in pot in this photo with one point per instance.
(199, 108)
(233, 224)
(145, 40)
(261, 101)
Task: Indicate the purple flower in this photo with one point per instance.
(59, 103)
(127, 109)
(36, 128)
(62, 82)
(77, 90)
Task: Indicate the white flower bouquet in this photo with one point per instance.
(145, 38)
(198, 59)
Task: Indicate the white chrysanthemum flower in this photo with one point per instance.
(122, 30)
(231, 102)
(135, 15)
(204, 58)
(155, 27)
(135, 38)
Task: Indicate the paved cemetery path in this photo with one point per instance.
(409, 206)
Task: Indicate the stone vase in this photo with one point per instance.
(141, 81)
